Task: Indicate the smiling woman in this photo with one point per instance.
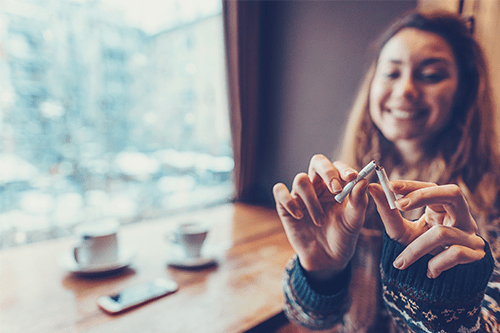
(424, 113)
(413, 89)
(101, 103)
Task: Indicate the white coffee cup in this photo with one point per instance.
(191, 237)
(98, 243)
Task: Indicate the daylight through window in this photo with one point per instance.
(109, 108)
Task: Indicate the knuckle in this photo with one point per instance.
(457, 254)
(478, 242)
(440, 233)
(455, 190)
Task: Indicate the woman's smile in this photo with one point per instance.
(412, 92)
(406, 114)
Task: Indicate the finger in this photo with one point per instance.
(404, 187)
(393, 221)
(356, 207)
(452, 256)
(321, 166)
(435, 216)
(285, 203)
(358, 198)
(345, 171)
(303, 188)
(436, 237)
(449, 197)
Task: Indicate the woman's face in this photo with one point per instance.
(412, 92)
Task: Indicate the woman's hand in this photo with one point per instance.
(446, 230)
(322, 231)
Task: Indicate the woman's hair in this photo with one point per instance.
(465, 152)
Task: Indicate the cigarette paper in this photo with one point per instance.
(362, 174)
(384, 181)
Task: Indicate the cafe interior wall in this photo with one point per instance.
(314, 54)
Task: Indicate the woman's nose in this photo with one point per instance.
(408, 88)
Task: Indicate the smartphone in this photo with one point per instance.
(136, 295)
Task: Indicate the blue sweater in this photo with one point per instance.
(465, 298)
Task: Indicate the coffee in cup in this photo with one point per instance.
(98, 243)
(191, 237)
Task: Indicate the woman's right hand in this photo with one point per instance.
(322, 231)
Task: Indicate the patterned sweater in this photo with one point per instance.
(372, 296)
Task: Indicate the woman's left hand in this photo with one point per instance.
(446, 230)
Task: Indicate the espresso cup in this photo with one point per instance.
(191, 237)
(98, 243)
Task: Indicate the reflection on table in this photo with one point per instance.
(243, 290)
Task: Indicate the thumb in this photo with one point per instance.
(394, 223)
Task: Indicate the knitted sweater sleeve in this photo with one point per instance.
(456, 301)
(465, 298)
(305, 306)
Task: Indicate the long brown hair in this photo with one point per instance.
(466, 152)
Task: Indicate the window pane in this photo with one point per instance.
(109, 108)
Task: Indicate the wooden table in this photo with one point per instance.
(244, 290)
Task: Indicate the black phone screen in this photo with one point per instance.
(139, 293)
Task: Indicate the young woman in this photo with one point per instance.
(424, 113)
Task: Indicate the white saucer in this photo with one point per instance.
(67, 260)
(177, 258)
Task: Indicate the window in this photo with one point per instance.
(109, 108)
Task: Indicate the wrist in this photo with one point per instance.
(328, 297)
(321, 269)
(327, 281)
(322, 275)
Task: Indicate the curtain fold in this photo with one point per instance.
(241, 35)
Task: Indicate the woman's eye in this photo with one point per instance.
(392, 75)
(432, 77)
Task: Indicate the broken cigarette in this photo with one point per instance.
(362, 174)
(384, 181)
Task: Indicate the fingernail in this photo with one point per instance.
(403, 202)
(348, 174)
(336, 187)
(398, 263)
(298, 214)
(394, 188)
(429, 274)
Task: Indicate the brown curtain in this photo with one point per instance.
(241, 33)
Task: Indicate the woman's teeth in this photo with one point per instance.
(402, 114)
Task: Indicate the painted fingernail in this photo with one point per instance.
(398, 263)
(336, 187)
